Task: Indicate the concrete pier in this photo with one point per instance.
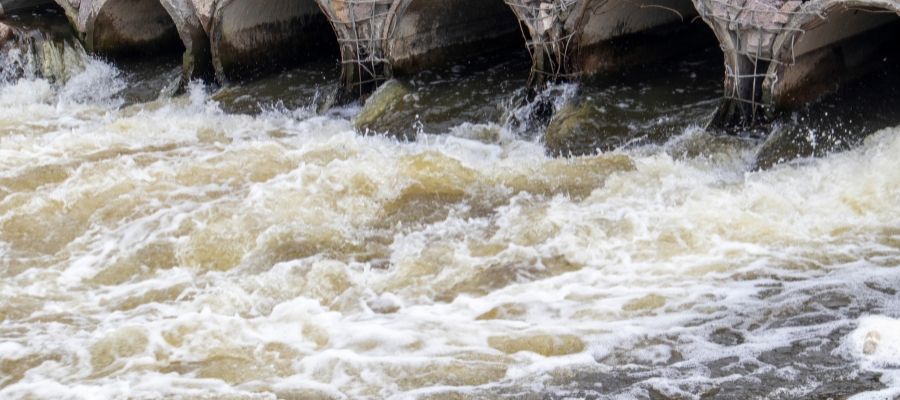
(124, 28)
(780, 54)
(381, 38)
(777, 53)
(828, 42)
(567, 38)
(574, 38)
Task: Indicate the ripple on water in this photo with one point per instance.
(172, 249)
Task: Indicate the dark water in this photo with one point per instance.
(839, 121)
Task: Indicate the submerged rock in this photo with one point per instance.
(580, 128)
(380, 113)
(547, 345)
(6, 33)
(793, 143)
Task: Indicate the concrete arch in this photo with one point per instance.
(252, 37)
(424, 33)
(571, 39)
(140, 27)
(124, 27)
(824, 43)
(598, 27)
(380, 37)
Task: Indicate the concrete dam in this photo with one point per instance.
(777, 54)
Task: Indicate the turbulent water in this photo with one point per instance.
(170, 249)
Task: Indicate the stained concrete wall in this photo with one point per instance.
(576, 38)
(361, 27)
(423, 33)
(126, 27)
(776, 52)
(380, 38)
(829, 42)
(252, 37)
(600, 26)
(142, 27)
(782, 54)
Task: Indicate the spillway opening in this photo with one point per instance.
(845, 44)
(133, 28)
(251, 38)
(454, 62)
(612, 35)
(647, 105)
(429, 34)
(48, 18)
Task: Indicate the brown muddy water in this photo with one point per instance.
(235, 243)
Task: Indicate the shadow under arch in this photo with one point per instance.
(828, 42)
(423, 34)
(128, 28)
(250, 38)
(609, 35)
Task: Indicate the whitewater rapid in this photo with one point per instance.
(169, 249)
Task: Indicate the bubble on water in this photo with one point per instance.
(170, 249)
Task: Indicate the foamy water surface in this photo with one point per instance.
(171, 250)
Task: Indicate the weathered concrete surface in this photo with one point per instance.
(777, 53)
(141, 27)
(780, 54)
(841, 37)
(425, 33)
(251, 37)
(568, 38)
(9, 6)
(380, 38)
(573, 38)
(360, 26)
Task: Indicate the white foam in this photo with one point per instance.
(272, 232)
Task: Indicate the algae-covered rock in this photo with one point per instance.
(580, 128)
(381, 112)
(6, 32)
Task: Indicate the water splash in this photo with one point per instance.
(32, 54)
(528, 113)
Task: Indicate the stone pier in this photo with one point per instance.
(781, 54)
(128, 28)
